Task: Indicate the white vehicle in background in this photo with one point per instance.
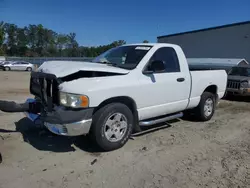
(17, 65)
(2, 63)
(5, 62)
(121, 91)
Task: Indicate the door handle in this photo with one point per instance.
(180, 79)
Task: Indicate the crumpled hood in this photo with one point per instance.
(238, 78)
(64, 68)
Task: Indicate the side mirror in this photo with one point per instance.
(156, 66)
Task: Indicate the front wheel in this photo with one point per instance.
(205, 110)
(7, 68)
(29, 69)
(112, 126)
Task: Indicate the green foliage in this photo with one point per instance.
(38, 41)
(2, 33)
(2, 37)
(145, 41)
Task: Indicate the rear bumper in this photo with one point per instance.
(241, 92)
(65, 122)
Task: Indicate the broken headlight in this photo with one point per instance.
(73, 100)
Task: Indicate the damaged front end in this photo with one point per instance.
(46, 107)
(46, 110)
(58, 119)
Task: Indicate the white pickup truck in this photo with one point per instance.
(122, 90)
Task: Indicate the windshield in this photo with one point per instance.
(4, 63)
(240, 71)
(126, 57)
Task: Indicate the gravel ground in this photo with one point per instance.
(186, 154)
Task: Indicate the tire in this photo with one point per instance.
(7, 68)
(100, 131)
(29, 69)
(200, 113)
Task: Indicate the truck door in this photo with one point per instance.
(167, 90)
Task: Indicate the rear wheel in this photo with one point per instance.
(29, 69)
(205, 110)
(7, 68)
(112, 126)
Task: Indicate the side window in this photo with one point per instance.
(169, 57)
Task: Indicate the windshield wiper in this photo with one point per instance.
(108, 63)
(112, 64)
(102, 62)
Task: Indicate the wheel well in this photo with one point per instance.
(211, 89)
(125, 100)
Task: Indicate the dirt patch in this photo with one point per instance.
(17, 91)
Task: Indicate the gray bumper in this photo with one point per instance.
(64, 121)
(70, 129)
(241, 92)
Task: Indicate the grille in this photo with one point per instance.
(232, 84)
(45, 86)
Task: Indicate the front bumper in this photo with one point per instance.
(240, 92)
(63, 121)
(70, 129)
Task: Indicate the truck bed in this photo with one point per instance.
(195, 67)
(202, 79)
(200, 65)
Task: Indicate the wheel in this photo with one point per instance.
(7, 68)
(112, 126)
(205, 110)
(29, 69)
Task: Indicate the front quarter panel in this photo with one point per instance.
(103, 88)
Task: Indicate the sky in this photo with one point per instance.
(100, 22)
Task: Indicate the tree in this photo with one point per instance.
(49, 47)
(32, 37)
(61, 43)
(73, 45)
(11, 31)
(2, 37)
(36, 41)
(22, 41)
(118, 43)
(145, 41)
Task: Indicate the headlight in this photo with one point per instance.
(74, 100)
(244, 84)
